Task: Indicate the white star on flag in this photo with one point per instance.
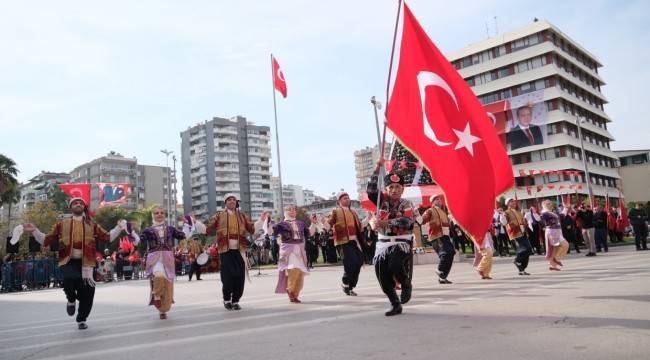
(466, 139)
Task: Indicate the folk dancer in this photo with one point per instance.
(438, 225)
(348, 234)
(194, 249)
(292, 265)
(395, 238)
(231, 226)
(556, 245)
(515, 227)
(76, 240)
(484, 252)
(160, 268)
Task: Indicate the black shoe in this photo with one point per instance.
(578, 251)
(190, 279)
(590, 254)
(228, 305)
(346, 289)
(444, 281)
(70, 308)
(394, 310)
(236, 306)
(82, 326)
(405, 296)
(523, 273)
(646, 248)
(352, 293)
(198, 279)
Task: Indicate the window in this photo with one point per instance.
(551, 153)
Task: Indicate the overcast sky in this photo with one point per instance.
(82, 78)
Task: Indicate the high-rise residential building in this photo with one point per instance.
(222, 156)
(538, 78)
(146, 184)
(634, 168)
(364, 165)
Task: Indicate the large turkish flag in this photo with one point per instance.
(435, 114)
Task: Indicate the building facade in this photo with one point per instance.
(540, 68)
(326, 206)
(365, 161)
(35, 190)
(634, 168)
(146, 184)
(224, 156)
(291, 194)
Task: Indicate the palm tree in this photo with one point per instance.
(8, 173)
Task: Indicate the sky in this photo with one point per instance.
(82, 78)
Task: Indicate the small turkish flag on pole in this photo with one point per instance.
(278, 79)
(437, 116)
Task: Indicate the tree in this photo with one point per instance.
(405, 164)
(107, 217)
(44, 215)
(302, 215)
(10, 197)
(59, 198)
(8, 173)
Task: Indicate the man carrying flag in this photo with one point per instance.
(395, 237)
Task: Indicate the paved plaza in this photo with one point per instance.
(595, 308)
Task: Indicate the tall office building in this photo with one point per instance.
(365, 161)
(223, 156)
(538, 72)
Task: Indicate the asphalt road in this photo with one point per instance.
(596, 308)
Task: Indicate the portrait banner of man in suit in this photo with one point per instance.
(112, 194)
(528, 124)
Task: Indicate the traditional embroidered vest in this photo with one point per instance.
(515, 221)
(344, 223)
(219, 222)
(435, 219)
(63, 232)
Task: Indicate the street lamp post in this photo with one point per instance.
(580, 119)
(169, 187)
(174, 203)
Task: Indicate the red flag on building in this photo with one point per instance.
(437, 116)
(278, 79)
(77, 191)
(522, 173)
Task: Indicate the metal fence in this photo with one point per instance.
(21, 275)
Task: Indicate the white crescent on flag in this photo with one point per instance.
(427, 78)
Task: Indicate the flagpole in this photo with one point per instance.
(383, 137)
(277, 136)
(390, 71)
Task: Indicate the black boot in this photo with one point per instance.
(395, 309)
